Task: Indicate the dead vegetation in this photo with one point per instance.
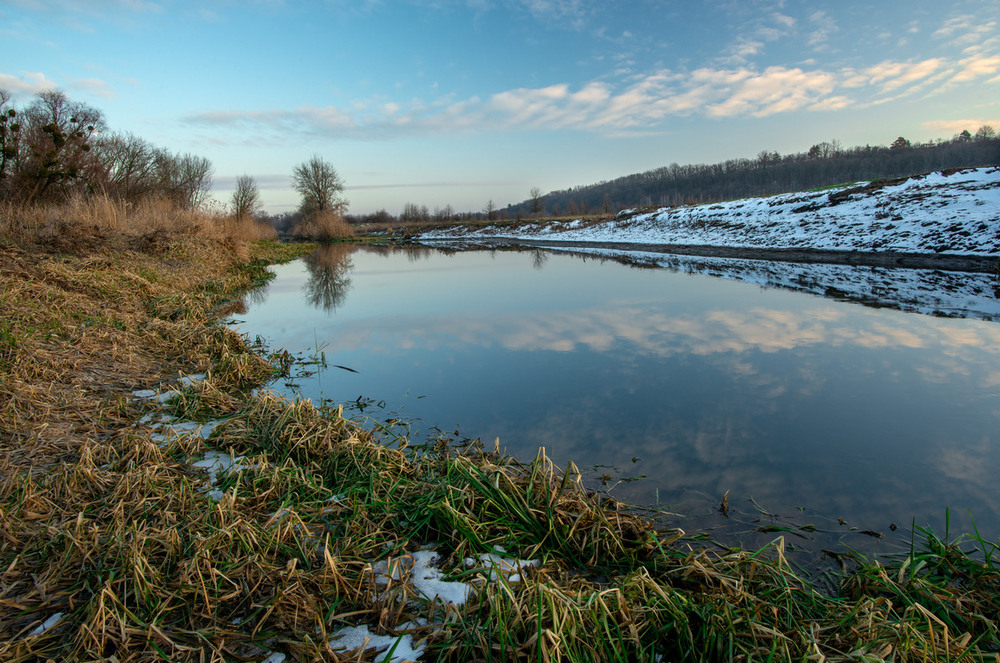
(114, 547)
(323, 226)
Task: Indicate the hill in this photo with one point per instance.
(950, 212)
(824, 164)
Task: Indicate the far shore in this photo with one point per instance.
(943, 261)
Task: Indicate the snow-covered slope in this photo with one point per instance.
(955, 213)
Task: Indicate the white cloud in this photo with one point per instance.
(742, 50)
(824, 27)
(636, 105)
(976, 66)
(966, 30)
(893, 75)
(832, 103)
(957, 126)
(94, 86)
(784, 20)
(28, 83)
(776, 90)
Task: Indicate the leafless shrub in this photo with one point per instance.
(323, 226)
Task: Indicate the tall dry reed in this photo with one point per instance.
(97, 220)
(323, 226)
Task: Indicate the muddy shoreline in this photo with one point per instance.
(941, 261)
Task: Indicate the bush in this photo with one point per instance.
(323, 226)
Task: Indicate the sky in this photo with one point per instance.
(461, 102)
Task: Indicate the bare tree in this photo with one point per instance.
(536, 200)
(55, 137)
(130, 165)
(320, 187)
(185, 179)
(246, 198)
(985, 132)
(490, 210)
(443, 213)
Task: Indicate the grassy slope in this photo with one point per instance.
(105, 524)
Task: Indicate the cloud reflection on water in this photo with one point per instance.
(660, 334)
(774, 396)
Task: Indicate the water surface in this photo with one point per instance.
(813, 408)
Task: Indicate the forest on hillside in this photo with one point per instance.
(824, 164)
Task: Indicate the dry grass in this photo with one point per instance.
(323, 226)
(99, 221)
(104, 521)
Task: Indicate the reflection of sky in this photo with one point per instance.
(715, 385)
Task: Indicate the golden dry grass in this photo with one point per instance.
(83, 224)
(323, 226)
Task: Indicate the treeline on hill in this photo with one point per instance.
(825, 164)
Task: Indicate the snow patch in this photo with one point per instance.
(351, 638)
(47, 624)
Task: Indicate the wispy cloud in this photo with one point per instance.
(966, 30)
(28, 83)
(957, 126)
(775, 90)
(637, 103)
(890, 77)
(91, 7)
(94, 86)
(823, 27)
(976, 66)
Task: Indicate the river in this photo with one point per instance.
(667, 389)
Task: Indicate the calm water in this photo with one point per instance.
(815, 409)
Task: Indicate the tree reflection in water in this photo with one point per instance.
(329, 268)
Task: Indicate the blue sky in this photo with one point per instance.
(457, 102)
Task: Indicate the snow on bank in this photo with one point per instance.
(956, 213)
(426, 582)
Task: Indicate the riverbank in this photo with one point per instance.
(157, 504)
(948, 220)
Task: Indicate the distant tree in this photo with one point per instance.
(490, 210)
(320, 186)
(536, 200)
(824, 150)
(130, 165)
(246, 198)
(444, 213)
(963, 136)
(985, 132)
(899, 144)
(413, 213)
(185, 179)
